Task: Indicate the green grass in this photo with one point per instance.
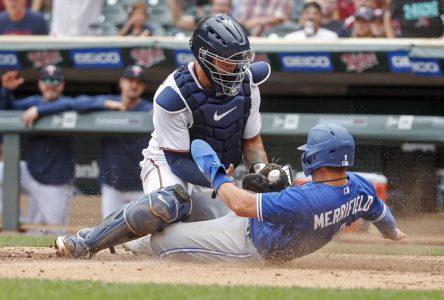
(25, 241)
(43, 289)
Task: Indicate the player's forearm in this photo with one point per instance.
(253, 151)
(241, 202)
(387, 225)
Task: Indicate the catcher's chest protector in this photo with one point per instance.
(218, 120)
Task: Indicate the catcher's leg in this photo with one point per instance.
(147, 215)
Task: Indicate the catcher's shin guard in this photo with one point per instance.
(144, 216)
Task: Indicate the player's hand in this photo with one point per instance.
(230, 169)
(399, 236)
(114, 105)
(10, 80)
(29, 116)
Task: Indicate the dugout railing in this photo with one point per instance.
(410, 131)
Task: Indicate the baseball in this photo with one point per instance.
(274, 175)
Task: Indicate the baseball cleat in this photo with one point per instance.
(83, 233)
(71, 246)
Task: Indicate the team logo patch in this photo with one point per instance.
(9, 60)
(43, 58)
(359, 62)
(147, 57)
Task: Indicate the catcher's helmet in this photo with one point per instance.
(222, 48)
(327, 145)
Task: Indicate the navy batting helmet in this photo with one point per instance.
(328, 145)
(222, 48)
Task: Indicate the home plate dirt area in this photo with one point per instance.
(352, 260)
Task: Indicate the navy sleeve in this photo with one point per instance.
(185, 168)
(6, 98)
(55, 107)
(86, 103)
(7, 101)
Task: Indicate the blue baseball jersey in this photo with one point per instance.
(302, 219)
(50, 159)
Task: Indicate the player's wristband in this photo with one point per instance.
(219, 179)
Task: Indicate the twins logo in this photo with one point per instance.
(359, 62)
(147, 57)
(44, 58)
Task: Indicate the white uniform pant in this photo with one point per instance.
(220, 240)
(112, 199)
(48, 204)
(156, 175)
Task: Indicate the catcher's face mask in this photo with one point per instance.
(226, 74)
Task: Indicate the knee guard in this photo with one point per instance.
(147, 215)
(153, 212)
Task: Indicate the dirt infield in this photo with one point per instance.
(324, 269)
(316, 270)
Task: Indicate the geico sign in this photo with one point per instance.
(425, 67)
(307, 61)
(401, 61)
(97, 58)
(8, 60)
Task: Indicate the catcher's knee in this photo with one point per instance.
(153, 212)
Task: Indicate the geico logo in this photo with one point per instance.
(307, 61)
(97, 58)
(8, 59)
(425, 67)
(401, 61)
(183, 58)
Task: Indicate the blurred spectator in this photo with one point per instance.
(330, 19)
(361, 25)
(17, 19)
(257, 16)
(119, 156)
(48, 173)
(346, 9)
(311, 24)
(418, 18)
(41, 5)
(137, 18)
(378, 27)
(178, 9)
(76, 17)
(188, 22)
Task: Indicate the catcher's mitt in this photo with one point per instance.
(266, 178)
